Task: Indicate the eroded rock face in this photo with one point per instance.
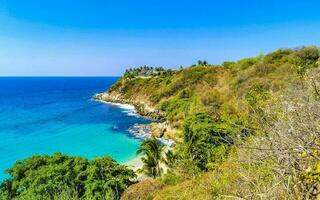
(142, 107)
(158, 129)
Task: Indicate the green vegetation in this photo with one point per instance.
(204, 140)
(152, 152)
(51, 177)
(202, 63)
(244, 130)
(143, 71)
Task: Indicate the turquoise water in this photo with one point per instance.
(48, 115)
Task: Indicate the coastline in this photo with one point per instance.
(141, 108)
(140, 131)
(121, 105)
(134, 163)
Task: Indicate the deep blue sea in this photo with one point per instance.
(47, 115)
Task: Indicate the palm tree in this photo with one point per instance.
(152, 151)
(202, 63)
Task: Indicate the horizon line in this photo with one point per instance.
(57, 76)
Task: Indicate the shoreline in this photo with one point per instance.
(140, 131)
(121, 105)
(134, 163)
(141, 108)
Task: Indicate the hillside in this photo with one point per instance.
(220, 91)
(220, 116)
(244, 130)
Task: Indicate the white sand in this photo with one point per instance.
(135, 163)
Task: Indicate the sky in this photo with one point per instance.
(104, 37)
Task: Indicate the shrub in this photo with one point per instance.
(204, 141)
(306, 58)
(45, 177)
(142, 190)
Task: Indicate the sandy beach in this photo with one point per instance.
(135, 163)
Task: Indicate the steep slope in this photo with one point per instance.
(220, 91)
(245, 130)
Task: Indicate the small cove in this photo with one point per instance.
(46, 115)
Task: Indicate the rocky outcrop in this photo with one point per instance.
(142, 108)
(158, 129)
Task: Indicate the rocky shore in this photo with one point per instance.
(144, 131)
(159, 129)
(142, 108)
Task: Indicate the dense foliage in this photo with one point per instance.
(48, 177)
(143, 71)
(204, 141)
(152, 151)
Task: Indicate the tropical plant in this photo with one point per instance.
(143, 71)
(46, 177)
(204, 140)
(152, 151)
(202, 63)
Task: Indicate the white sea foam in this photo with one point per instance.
(143, 132)
(127, 108)
(138, 130)
(166, 142)
(131, 112)
(124, 106)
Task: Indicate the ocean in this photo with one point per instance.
(45, 115)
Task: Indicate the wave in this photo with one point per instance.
(129, 109)
(140, 131)
(143, 132)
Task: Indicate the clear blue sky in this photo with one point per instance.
(103, 37)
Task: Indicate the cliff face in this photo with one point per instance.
(144, 108)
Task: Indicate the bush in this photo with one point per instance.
(204, 141)
(306, 58)
(45, 177)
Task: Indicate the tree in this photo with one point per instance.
(200, 62)
(204, 139)
(152, 150)
(47, 177)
